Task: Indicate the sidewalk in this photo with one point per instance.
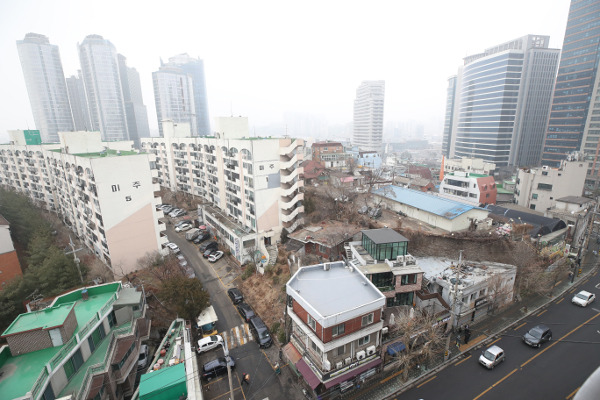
(481, 332)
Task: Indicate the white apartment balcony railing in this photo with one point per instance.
(290, 217)
(289, 149)
(287, 204)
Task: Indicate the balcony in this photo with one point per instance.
(289, 202)
(290, 217)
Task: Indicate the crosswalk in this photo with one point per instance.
(237, 336)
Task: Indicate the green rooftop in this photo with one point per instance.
(167, 383)
(21, 372)
(474, 175)
(43, 319)
(100, 154)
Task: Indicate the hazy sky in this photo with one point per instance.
(265, 58)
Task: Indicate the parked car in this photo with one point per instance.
(537, 336)
(173, 247)
(208, 252)
(208, 245)
(216, 256)
(375, 213)
(235, 295)
(217, 367)
(179, 213)
(166, 208)
(364, 209)
(492, 357)
(182, 261)
(260, 332)
(173, 212)
(245, 311)
(202, 237)
(181, 223)
(209, 343)
(143, 358)
(583, 298)
(183, 227)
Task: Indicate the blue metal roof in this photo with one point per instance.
(427, 202)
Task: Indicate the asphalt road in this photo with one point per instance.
(249, 358)
(554, 371)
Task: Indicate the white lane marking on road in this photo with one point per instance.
(598, 286)
(236, 330)
(595, 309)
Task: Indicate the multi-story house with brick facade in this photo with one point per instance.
(469, 188)
(336, 315)
(330, 154)
(382, 255)
(104, 191)
(251, 186)
(85, 345)
(10, 267)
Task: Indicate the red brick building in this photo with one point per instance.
(10, 267)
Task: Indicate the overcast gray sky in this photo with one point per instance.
(265, 58)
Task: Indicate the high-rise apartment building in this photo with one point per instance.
(45, 82)
(103, 191)
(100, 69)
(137, 116)
(448, 121)
(502, 101)
(78, 100)
(251, 187)
(180, 93)
(368, 115)
(574, 122)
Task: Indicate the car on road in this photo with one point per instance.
(492, 357)
(143, 358)
(245, 311)
(216, 256)
(182, 261)
(537, 336)
(183, 227)
(235, 295)
(260, 332)
(173, 247)
(209, 343)
(583, 298)
(216, 367)
(202, 237)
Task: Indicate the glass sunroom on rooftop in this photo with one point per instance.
(384, 244)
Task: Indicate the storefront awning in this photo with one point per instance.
(395, 348)
(353, 373)
(309, 376)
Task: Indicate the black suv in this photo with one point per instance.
(202, 237)
(260, 332)
(235, 295)
(217, 367)
(208, 246)
(245, 311)
(537, 335)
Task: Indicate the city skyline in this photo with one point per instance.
(261, 60)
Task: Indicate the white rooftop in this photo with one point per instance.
(339, 291)
(473, 273)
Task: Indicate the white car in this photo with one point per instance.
(143, 358)
(215, 257)
(183, 227)
(182, 261)
(209, 343)
(173, 212)
(492, 357)
(173, 247)
(583, 298)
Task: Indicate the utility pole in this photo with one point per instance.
(227, 359)
(74, 252)
(453, 307)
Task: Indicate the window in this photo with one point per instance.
(544, 172)
(315, 348)
(112, 319)
(262, 167)
(340, 351)
(338, 330)
(544, 186)
(312, 323)
(410, 279)
(73, 364)
(364, 340)
(322, 249)
(367, 319)
(534, 196)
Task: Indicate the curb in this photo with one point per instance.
(411, 384)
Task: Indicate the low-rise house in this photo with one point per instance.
(330, 154)
(436, 211)
(422, 184)
(473, 290)
(314, 172)
(325, 240)
(469, 188)
(336, 315)
(86, 345)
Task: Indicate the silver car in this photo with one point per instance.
(492, 357)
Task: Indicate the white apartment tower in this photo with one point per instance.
(368, 115)
(100, 69)
(104, 191)
(45, 82)
(251, 185)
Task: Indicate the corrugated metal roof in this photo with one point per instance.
(427, 202)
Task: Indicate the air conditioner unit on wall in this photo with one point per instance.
(360, 355)
(339, 365)
(371, 350)
(347, 361)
